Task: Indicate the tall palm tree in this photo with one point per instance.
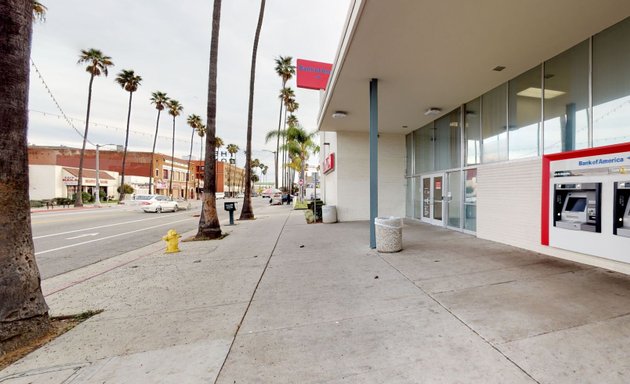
(22, 305)
(247, 212)
(174, 109)
(159, 99)
(209, 226)
(291, 106)
(232, 149)
(130, 82)
(285, 69)
(287, 95)
(195, 122)
(97, 65)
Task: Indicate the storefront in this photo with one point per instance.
(51, 181)
(462, 123)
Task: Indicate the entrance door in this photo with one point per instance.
(432, 199)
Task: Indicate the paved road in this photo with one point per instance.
(67, 240)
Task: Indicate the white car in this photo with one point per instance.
(156, 203)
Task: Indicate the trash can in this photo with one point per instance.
(318, 205)
(329, 214)
(388, 232)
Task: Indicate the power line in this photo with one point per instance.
(41, 77)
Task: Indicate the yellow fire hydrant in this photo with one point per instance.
(172, 241)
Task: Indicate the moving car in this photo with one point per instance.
(156, 203)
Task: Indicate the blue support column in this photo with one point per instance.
(373, 159)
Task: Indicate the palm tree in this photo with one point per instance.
(288, 96)
(159, 99)
(195, 122)
(130, 82)
(232, 149)
(97, 65)
(218, 143)
(209, 226)
(23, 308)
(291, 106)
(247, 212)
(39, 11)
(300, 144)
(174, 109)
(285, 69)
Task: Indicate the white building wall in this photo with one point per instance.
(508, 202)
(45, 182)
(353, 179)
(329, 181)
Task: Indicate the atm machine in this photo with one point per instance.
(577, 206)
(621, 226)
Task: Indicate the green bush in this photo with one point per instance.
(37, 203)
(128, 189)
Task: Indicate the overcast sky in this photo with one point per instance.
(167, 43)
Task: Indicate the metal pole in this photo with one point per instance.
(373, 159)
(98, 181)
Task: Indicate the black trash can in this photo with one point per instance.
(319, 204)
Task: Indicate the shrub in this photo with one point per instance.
(128, 189)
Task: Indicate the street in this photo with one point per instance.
(67, 240)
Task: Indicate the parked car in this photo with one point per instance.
(276, 199)
(269, 192)
(156, 203)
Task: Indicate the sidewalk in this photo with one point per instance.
(279, 301)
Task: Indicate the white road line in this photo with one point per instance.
(104, 226)
(108, 237)
(83, 235)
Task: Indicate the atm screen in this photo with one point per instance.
(576, 204)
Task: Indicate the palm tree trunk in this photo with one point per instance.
(157, 126)
(247, 212)
(284, 151)
(170, 182)
(192, 138)
(78, 197)
(22, 305)
(124, 161)
(276, 171)
(209, 227)
(200, 157)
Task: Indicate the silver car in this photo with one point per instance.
(156, 203)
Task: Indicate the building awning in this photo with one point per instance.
(442, 53)
(88, 173)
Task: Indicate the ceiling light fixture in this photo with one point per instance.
(339, 114)
(432, 111)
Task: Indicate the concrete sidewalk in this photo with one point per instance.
(279, 301)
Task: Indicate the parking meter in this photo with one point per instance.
(230, 206)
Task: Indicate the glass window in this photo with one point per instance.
(409, 145)
(423, 142)
(472, 132)
(470, 200)
(165, 171)
(525, 103)
(566, 100)
(417, 198)
(494, 121)
(611, 85)
(409, 200)
(447, 144)
(454, 198)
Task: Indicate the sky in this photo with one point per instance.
(167, 43)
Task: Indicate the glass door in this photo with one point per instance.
(433, 199)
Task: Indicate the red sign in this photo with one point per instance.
(312, 74)
(329, 163)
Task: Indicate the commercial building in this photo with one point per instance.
(229, 178)
(508, 120)
(53, 172)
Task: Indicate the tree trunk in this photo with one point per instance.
(209, 227)
(192, 138)
(170, 178)
(78, 197)
(276, 171)
(124, 161)
(157, 126)
(247, 212)
(22, 305)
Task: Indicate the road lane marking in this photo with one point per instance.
(109, 237)
(104, 226)
(83, 235)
